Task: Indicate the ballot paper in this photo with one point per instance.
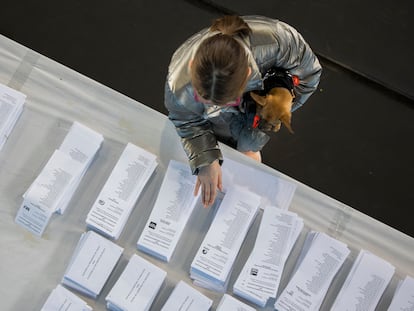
(365, 283)
(321, 258)
(403, 299)
(213, 262)
(120, 193)
(272, 190)
(229, 303)
(63, 299)
(260, 277)
(137, 286)
(91, 264)
(172, 209)
(11, 107)
(185, 297)
(54, 187)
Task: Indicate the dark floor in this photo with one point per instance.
(353, 139)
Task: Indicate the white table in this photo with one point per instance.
(56, 96)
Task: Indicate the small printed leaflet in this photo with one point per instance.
(321, 258)
(185, 297)
(11, 107)
(54, 187)
(121, 191)
(63, 299)
(172, 209)
(213, 262)
(403, 299)
(260, 277)
(137, 286)
(272, 190)
(229, 303)
(365, 283)
(91, 264)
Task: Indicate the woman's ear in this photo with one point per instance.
(249, 71)
(190, 63)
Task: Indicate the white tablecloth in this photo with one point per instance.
(56, 96)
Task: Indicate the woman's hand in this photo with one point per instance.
(209, 178)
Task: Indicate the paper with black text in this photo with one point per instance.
(403, 299)
(11, 107)
(172, 209)
(91, 264)
(261, 274)
(318, 264)
(214, 260)
(47, 191)
(137, 286)
(63, 299)
(365, 283)
(273, 190)
(185, 297)
(229, 303)
(120, 193)
(81, 144)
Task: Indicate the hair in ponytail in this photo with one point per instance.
(220, 65)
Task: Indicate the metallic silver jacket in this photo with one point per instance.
(271, 43)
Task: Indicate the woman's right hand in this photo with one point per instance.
(209, 178)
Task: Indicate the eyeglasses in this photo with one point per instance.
(233, 103)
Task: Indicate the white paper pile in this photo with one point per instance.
(214, 260)
(185, 297)
(172, 209)
(91, 264)
(260, 277)
(120, 193)
(62, 299)
(365, 283)
(403, 299)
(11, 107)
(54, 187)
(272, 190)
(137, 286)
(321, 258)
(229, 303)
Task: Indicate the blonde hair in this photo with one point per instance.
(220, 65)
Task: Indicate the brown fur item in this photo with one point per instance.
(274, 109)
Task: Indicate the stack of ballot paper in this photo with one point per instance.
(365, 283)
(11, 107)
(321, 258)
(137, 286)
(91, 264)
(54, 187)
(185, 297)
(62, 299)
(171, 211)
(403, 299)
(260, 277)
(120, 193)
(229, 303)
(213, 263)
(272, 190)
